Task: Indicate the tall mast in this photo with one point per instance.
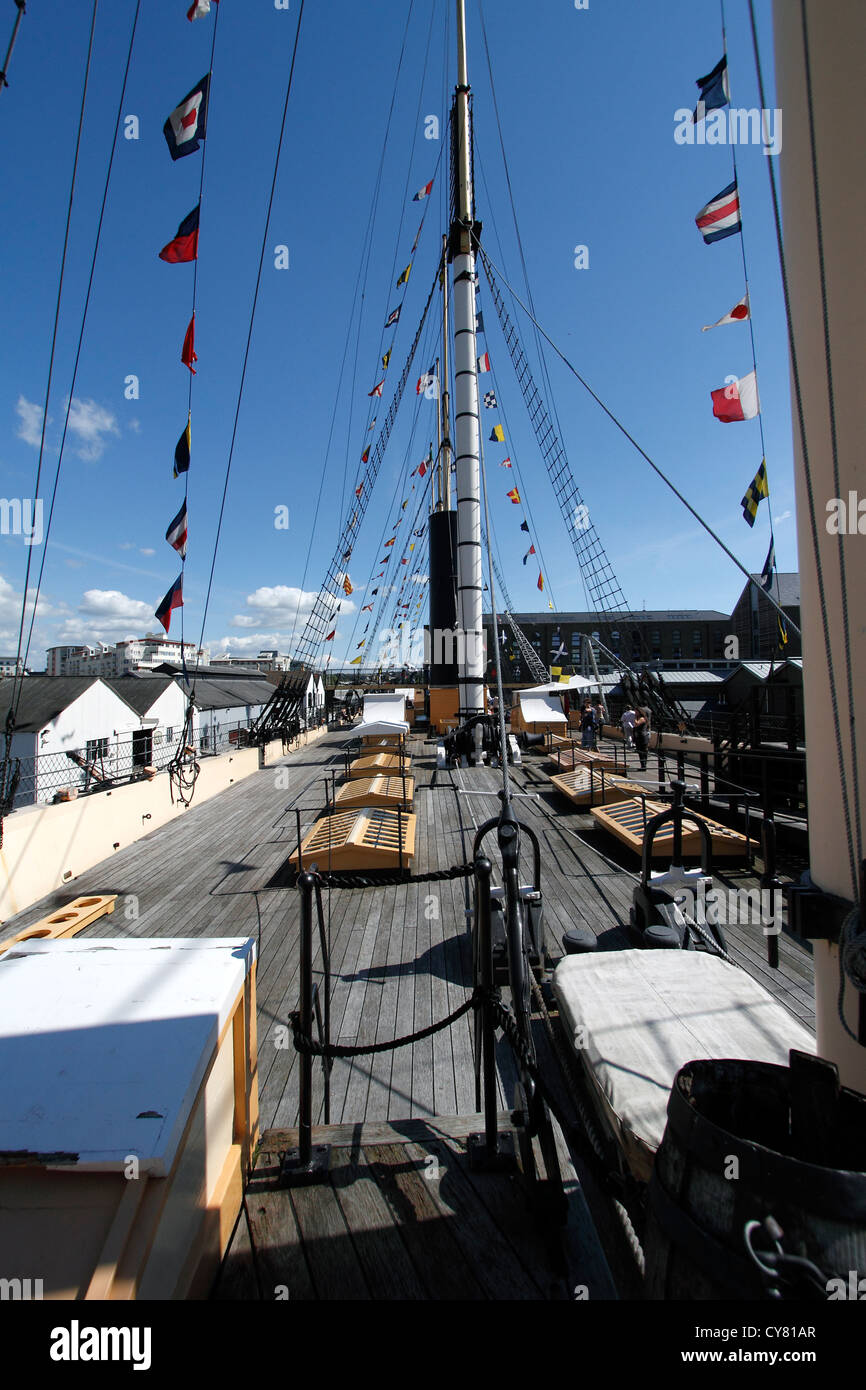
(444, 474)
(470, 681)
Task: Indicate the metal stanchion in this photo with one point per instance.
(309, 1162)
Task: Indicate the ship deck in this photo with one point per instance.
(400, 959)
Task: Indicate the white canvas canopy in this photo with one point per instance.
(573, 683)
(381, 716)
(540, 709)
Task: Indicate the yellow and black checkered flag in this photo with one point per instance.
(757, 489)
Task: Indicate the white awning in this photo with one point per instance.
(541, 709)
(379, 728)
(573, 683)
(381, 715)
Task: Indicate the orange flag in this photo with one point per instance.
(188, 355)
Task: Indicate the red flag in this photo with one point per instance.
(514, 495)
(331, 635)
(422, 468)
(359, 489)
(188, 355)
(184, 244)
(366, 454)
(390, 542)
(541, 582)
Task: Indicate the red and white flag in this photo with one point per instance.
(186, 127)
(738, 400)
(506, 463)
(739, 312)
(423, 193)
(484, 362)
(377, 389)
(199, 9)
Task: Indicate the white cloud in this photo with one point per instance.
(30, 416)
(147, 552)
(91, 424)
(245, 646)
(114, 607)
(782, 517)
(283, 607)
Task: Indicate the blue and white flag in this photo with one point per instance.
(721, 217)
(714, 91)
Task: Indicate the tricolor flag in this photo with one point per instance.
(188, 353)
(713, 91)
(739, 312)
(182, 450)
(498, 434)
(393, 317)
(405, 275)
(426, 381)
(757, 490)
(721, 217)
(184, 244)
(514, 495)
(530, 551)
(769, 566)
(423, 192)
(506, 463)
(484, 362)
(172, 600)
(199, 8)
(738, 400)
(186, 127)
(177, 531)
(377, 389)
(490, 399)
(541, 582)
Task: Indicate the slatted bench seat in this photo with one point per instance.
(566, 758)
(586, 787)
(378, 838)
(388, 763)
(635, 1017)
(376, 791)
(627, 819)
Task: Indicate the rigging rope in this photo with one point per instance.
(492, 270)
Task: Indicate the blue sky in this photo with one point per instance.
(587, 101)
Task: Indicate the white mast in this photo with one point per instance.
(470, 680)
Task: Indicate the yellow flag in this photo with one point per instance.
(356, 662)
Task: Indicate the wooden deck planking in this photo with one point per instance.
(205, 875)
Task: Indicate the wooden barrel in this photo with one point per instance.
(745, 1141)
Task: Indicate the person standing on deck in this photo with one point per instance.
(587, 726)
(600, 717)
(641, 734)
(627, 722)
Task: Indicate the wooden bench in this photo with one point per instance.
(65, 921)
(388, 763)
(627, 819)
(376, 791)
(589, 786)
(377, 838)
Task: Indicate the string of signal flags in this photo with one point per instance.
(738, 399)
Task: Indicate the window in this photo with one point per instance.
(697, 642)
(96, 748)
(169, 734)
(677, 642)
(656, 642)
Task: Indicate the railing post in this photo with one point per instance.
(489, 1150)
(308, 1162)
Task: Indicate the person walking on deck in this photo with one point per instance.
(641, 734)
(587, 726)
(627, 722)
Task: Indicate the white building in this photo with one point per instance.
(265, 661)
(137, 654)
